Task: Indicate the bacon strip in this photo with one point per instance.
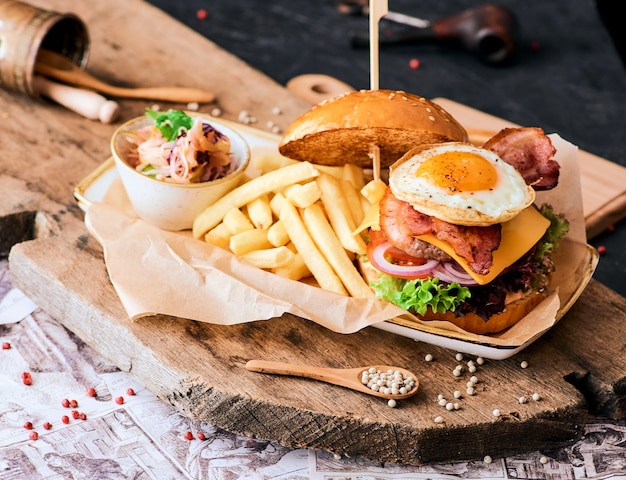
(531, 152)
(401, 223)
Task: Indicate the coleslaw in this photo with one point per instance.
(180, 149)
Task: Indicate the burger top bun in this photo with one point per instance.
(344, 129)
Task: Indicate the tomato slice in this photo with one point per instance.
(395, 262)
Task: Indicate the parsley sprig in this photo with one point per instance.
(170, 123)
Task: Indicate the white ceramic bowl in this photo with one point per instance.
(173, 206)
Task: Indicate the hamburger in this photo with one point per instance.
(455, 235)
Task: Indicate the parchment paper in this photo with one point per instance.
(158, 272)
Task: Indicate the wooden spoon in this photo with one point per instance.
(344, 377)
(61, 68)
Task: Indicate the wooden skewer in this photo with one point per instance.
(377, 10)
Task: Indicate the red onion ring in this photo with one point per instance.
(450, 272)
(408, 272)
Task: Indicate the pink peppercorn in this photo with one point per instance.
(27, 379)
(28, 425)
(119, 400)
(414, 63)
(82, 416)
(202, 14)
(6, 346)
(75, 414)
(130, 391)
(33, 435)
(602, 250)
(65, 403)
(65, 419)
(188, 436)
(201, 436)
(73, 403)
(91, 392)
(47, 425)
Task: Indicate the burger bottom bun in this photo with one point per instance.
(472, 323)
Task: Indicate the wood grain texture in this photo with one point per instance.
(199, 368)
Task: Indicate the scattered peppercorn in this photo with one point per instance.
(47, 425)
(65, 419)
(27, 379)
(73, 403)
(602, 250)
(414, 63)
(201, 14)
(75, 414)
(188, 436)
(28, 425)
(201, 436)
(6, 346)
(82, 416)
(65, 403)
(33, 435)
(119, 400)
(91, 392)
(130, 391)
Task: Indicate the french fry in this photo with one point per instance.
(276, 203)
(313, 258)
(303, 195)
(247, 192)
(269, 258)
(330, 246)
(260, 212)
(354, 174)
(236, 221)
(270, 162)
(295, 270)
(245, 242)
(353, 199)
(339, 215)
(374, 190)
(219, 236)
(277, 235)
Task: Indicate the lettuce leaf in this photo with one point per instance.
(419, 294)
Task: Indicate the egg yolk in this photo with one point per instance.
(458, 172)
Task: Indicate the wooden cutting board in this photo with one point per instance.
(198, 367)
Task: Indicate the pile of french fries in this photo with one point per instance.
(297, 220)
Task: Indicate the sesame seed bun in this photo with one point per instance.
(343, 129)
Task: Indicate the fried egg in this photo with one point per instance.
(460, 184)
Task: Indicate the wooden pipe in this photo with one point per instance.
(487, 30)
(89, 104)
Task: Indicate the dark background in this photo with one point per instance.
(567, 75)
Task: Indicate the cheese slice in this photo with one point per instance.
(518, 237)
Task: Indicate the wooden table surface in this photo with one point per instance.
(197, 367)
